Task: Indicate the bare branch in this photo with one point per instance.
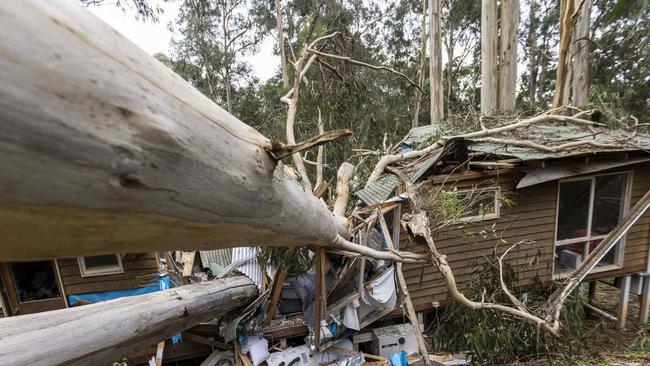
(280, 150)
(364, 64)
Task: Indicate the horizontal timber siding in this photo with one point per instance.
(136, 266)
(531, 218)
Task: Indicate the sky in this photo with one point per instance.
(155, 37)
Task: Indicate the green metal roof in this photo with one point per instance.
(552, 134)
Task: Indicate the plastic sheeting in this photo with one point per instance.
(383, 292)
(162, 283)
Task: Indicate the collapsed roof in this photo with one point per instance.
(534, 142)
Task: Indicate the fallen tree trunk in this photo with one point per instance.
(118, 327)
(106, 150)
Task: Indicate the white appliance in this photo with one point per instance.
(394, 338)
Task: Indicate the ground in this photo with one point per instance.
(606, 344)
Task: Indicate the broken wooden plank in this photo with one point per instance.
(159, 353)
(280, 150)
(276, 291)
(136, 159)
(119, 327)
(214, 358)
(187, 259)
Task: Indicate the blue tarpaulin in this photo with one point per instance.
(162, 283)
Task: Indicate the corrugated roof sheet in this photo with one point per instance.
(378, 191)
(222, 257)
(418, 135)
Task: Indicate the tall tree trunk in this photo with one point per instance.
(508, 55)
(488, 57)
(580, 78)
(101, 333)
(533, 54)
(450, 65)
(435, 62)
(422, 69)
(134, 158)
(562, 74)
(227, 56)
(544, 64)
(283, 55)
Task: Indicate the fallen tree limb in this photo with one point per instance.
(280, 150)
(119, 327)
(106, 150)
(395, 255)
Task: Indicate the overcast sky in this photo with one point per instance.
(155, 37)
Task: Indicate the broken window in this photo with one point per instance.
(588, 209)
(34, 281)
(479, 204)
(96, 265)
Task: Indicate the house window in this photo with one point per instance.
(96, 265)
(479, 204)
(588, 209)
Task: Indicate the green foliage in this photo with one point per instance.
(495, 337)
(296, 262)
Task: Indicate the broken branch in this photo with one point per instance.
(280, 150)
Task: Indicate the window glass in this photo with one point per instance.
(101, 261)
(609, 258)
(573, 212)
(34, 280)
(609, 196)
(568, 257)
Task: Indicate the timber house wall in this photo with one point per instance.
(533, 217)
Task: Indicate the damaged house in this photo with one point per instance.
(562, 187)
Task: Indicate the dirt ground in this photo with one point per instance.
(607, 345)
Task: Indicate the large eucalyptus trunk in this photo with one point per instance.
(580, 77)
(106, 150)
(101, 333)
(488, 57)
(283, 55)
(563, 75)
(435, 61)
(508, 55)
(422, 69)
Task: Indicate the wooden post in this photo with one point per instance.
(135, 158)
(435, 61)
(276, 291)
(592, 291)
(319, 295)
(119, 327)
(488, 57)
(644, 311)
(507, 93)
(406, 299)
(623, 299)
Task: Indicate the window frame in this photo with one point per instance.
(497, 205)
(86, 272)
(619, 256)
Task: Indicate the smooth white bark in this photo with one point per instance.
(106, 150)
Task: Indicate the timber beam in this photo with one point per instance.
(98, 334)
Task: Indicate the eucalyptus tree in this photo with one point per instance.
(214, 36)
